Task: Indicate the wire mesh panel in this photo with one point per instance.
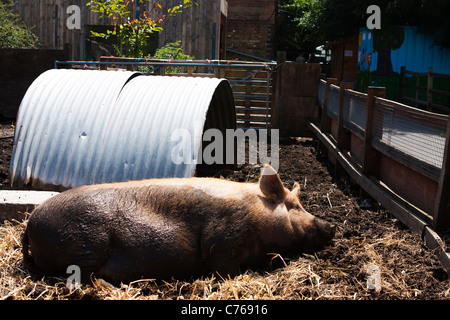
(321, 95)
(411, 136)
(355, 111)
(333, 103)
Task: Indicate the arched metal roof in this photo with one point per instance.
(78, 127)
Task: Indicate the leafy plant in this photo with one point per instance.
(132, 34)
(173, 51)
(322, 21)
(13, 31)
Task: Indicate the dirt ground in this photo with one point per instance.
(6, 143)
(365, 238)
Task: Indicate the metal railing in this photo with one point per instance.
(251, 82)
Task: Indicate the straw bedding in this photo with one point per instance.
(365, 238)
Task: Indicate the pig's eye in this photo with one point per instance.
(291, 205)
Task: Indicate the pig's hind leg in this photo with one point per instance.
(119, 267)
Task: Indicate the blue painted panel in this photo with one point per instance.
(417, 53)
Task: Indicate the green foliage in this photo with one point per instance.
(293, 37)
(311, 23)
(321, 21)
(132, 34)
(173, 51)
(13, 32)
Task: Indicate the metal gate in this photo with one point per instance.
(251, 82)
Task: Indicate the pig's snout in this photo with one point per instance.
(325, 231)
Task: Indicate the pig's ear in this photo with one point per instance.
(296, 190)
(270, 184)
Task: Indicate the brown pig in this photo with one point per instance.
(165, 228)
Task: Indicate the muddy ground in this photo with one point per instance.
(6, 143)
(365, 237)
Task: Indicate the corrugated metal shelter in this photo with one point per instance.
(86, 127)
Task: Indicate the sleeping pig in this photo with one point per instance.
(164, 228)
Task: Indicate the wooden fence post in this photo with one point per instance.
(343, 135)
(103, 66)
(402, 82)
(371, 156)
(429, 89)
(441, 215)
(189, 71)
(325, 122)
(281, 57)
(219, 72)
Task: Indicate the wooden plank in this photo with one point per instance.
(415, 73)
(440, 108)
(247, 100)
(203, 27)
(408, 160)
(371, 156)
(357, 94)
(441, 92)
(325, 122)
(252, 117)
(253, 125)
(434, 242)
(344, 135)
(257, 90)
(398, 206)
(419, 88)
(441, 75)
(17, 204)
(257, 112)
(402, 82)
(406, 108)
(441, 215)
(253, 109)
(429, 88)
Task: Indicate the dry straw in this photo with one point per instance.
(310, 276)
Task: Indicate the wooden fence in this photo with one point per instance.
(422, 85)
(198, 27)
(397, 154)
(48, 20)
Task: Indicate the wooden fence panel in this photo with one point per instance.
(428, 91)
(197, 27)
(390, 159)
(441, 214)
(48, 19)
(381, 175)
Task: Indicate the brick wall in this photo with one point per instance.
(251, 27)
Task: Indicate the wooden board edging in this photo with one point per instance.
(388, 199)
